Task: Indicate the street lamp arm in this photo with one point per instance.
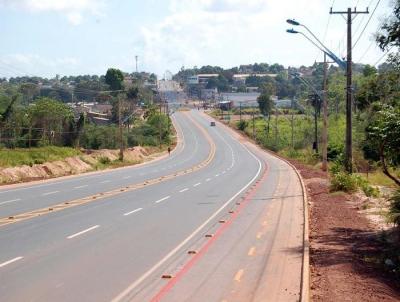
(338, 61)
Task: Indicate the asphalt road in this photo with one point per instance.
(247, 202)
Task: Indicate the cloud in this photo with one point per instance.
(221, 32)
(20, 64)
(73, 10)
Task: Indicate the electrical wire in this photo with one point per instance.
(365, 27)
(366, 51)
(384, 55)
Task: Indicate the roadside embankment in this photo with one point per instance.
(85, 161)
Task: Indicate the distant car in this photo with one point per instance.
(212, 124)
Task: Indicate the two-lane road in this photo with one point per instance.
(117, 248)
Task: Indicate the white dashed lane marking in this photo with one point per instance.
(134, 211)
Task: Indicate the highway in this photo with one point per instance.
(217, 220)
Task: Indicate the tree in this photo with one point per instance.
(369, 70)
(383, 134)
(29, 90)
(51, 116)
(390, 30)
(265, 102)
(114, 78)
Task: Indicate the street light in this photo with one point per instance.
(341, 64)
(325, 50)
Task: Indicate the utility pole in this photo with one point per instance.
(159, 126)
(136, 60)
(325, 115)
(121, 142)
(349, 92)
(292, 122)
(240, 110)
(254, 126)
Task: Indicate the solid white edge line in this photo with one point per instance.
(134, 211)
(10, 261)
(83, 232)
(9, 201)
(177, 248)
(183, 190)
(162, 199)
(105, 181)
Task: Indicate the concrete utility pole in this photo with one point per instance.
(254, 125)
(121, 141)
(349, 92)
(240, 110)
(325, 113)
(136, 59)
(159, 124)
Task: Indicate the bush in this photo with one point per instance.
(368, 190)
(104, 160)
(394, 211)
(242, 125)
(343, 181)
(335, 151)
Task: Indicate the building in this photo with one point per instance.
(208, 94)
(201, 79)
(244, 98)
(240, 79)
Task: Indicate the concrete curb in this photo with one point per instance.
(305, 274)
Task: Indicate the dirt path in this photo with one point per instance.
(342, 240)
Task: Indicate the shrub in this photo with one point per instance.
(104, 160)
(242, 125)
(394, 211)
(368, 190)
(343, 181)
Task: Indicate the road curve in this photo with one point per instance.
(119, 247)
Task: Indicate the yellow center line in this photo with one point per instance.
(239, 275)
(98, 196)
(259, 235)
(251, 251)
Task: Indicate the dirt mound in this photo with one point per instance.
(73, 165)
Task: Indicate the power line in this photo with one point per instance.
(384, 55)
(366, 51)
(365, 27)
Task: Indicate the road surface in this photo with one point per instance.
(230, 229)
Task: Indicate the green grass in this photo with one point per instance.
(19, 157)
(377, 178)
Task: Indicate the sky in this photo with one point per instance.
(72, 37)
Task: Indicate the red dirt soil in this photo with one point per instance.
(341, 238)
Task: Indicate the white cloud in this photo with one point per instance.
(233, 32)
(73, 10)
(20, 64)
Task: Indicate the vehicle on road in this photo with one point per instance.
(212, 124)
